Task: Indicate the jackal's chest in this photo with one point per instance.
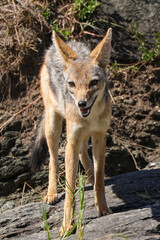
(99, 124)
(99, 121)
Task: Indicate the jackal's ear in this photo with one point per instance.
(66, 53)
(101, 53)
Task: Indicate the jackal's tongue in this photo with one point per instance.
(84, 110)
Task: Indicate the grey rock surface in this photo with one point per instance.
(122, 16)
(133, 197)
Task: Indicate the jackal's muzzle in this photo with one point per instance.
(85, 111)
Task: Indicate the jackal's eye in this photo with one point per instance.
(71, 84)
(93, 83)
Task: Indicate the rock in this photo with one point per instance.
(19, 181)
(119, 160)
(109, 140)
(7, 144)
(125, 224)
(145, 139)
(40, 177)
(139, 116)
(14, 125)
(5, 161)
(6, 187)
(155, 115)
(11, 134)
(14, 168)
(18, 143)
(153, 128)
(17, 151)
(8, 205)
(121, 17)
(117, 112)
(133, 197)
(130, 102)
(9, 141)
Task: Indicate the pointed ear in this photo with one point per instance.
(101, 53)
(65, 51)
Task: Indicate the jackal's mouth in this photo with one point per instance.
(86, 111)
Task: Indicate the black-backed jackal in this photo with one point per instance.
(74, 88)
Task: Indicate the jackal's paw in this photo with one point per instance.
(51, 199)
(65, 229)
(104, 212)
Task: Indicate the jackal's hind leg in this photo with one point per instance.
(86, 161)
(53, 127)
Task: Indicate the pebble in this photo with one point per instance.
(8, 205)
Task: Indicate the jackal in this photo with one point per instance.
(74, 87)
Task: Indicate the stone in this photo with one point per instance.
(153, 128)
(6, 187)
(8, 205)
(143, 15)
(139, 116)
(17, 151)
(14, 125)
(117, 112)
(11, 134)
(155, 115)
(19, 181)
(18, 143)
(14, 168)
(119, 160)
(133, 197)
(7, 144)
(145, 139)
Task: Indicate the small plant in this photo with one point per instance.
(116, 69)
(64, 33)
(133, 69)
(83, 10)
(46, 224)
(79, 190)
(80, 226)
(118, 235)
(146, 195)
(72, 18)
(47, 13)
(148, 51)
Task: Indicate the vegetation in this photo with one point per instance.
(148, 51)
(79, 226)
(45, 220)
(25, 27)
(73, 17)
(147, 196)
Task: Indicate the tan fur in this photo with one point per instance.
(79, 129)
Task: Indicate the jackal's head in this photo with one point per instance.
(86, 77)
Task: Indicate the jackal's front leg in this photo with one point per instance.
(53, 126)
(71, 167)
(99, 146)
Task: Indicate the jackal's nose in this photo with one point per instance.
(82, 104)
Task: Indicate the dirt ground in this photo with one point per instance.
(133, 140)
